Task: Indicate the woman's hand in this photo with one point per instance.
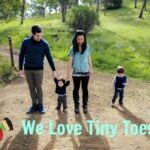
(91, 68)
(70, 62)
(91, 73)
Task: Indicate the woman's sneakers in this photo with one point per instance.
(85, 110)
(77, 111)
(36, 108)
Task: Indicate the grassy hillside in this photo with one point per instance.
(6, 72)
(121, 39)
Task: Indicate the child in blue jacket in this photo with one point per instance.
(119, 83)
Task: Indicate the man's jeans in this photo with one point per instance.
(34, 79)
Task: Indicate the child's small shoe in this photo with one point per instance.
(121, 104)
(57, 108)
(113, 105)
(65, 110)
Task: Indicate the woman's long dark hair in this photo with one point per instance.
(75, 44)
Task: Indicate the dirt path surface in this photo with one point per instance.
(15, 100)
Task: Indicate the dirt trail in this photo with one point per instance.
(15, 100)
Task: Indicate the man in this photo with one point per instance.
(32, 53)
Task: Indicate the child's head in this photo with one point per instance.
(61, 80)
(60, 83)
(120, 70)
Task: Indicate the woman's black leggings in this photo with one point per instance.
(77, 81)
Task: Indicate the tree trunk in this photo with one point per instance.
(43, 12)
(105, 7)
(142, 9)
(23, 11)
(63, 10)
(76, 3)
(135, 3)
(97, 6)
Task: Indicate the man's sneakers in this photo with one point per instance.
(32, 109)
(41, 109)
(36, 108)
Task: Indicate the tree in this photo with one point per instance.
(63, 4)
(83, 18)
(142, 9)
(135, 3)
(76, 2)
(38, 7)
(105, 2)
(88, 2)
(23, 11)
(9, 8)
(53, 4)
(97, 6)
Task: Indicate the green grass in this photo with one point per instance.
(121, 39)
(7, 73)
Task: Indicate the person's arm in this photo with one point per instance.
(126, 82)
(90, 62)
(55, 80)
(50, 59)
(90, 65)
(70, 62)
(69, 66)
(114, 81)
(21, 58)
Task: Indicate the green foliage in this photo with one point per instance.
(9, 9)
(83, 17)
(7, 73)
(122, 39)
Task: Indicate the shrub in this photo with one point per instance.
(83, 18)
(7, 73)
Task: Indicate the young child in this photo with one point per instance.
(61, 85)
(5, 125)
(119, 83)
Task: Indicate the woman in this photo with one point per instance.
(80, 62)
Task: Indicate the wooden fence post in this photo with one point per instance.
(11, 51)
